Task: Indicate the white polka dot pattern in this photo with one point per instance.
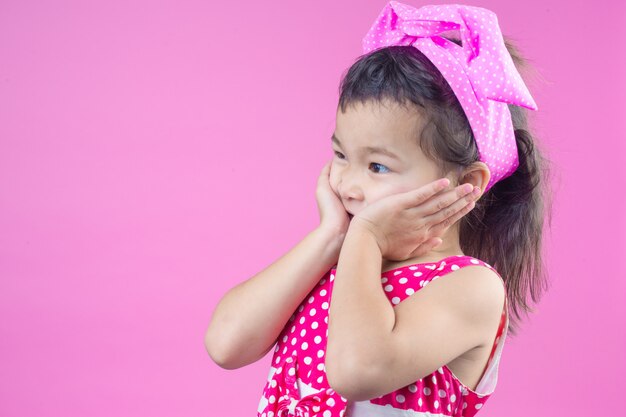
(481, 72)
(299, 356)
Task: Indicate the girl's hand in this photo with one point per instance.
(409, 224)
(333, 215)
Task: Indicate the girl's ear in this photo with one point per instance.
(477, 174)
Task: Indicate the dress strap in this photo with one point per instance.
(501, 330)
(503, 321)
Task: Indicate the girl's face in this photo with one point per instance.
(377, 154)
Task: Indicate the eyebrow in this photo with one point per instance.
(370, 149)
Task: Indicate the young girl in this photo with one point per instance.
(393, 305)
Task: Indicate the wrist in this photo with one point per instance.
(332, 238)
(363, 229)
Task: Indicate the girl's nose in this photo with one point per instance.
(350, 189)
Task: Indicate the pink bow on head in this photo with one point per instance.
(481, 72)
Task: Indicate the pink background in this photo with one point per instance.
(155, 154)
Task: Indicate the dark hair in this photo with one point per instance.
(505, 227)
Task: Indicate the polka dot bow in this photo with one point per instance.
(284, 399)
(480, 72)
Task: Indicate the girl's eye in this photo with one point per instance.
(339, 155)
(379, 168)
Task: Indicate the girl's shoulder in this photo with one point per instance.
(466, 274)
(461, 284)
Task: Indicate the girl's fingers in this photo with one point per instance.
(440, 227)
(446, 204)
(453, 212)
(416, 197)
(323, 178)
(326, 168)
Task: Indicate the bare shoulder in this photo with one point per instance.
(477, 290)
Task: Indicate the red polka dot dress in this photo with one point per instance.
(297, 385)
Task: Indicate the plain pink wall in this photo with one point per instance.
(155, 154)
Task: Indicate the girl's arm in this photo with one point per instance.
(375, 348)
(249, 318)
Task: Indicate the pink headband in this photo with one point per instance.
(481, 72)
